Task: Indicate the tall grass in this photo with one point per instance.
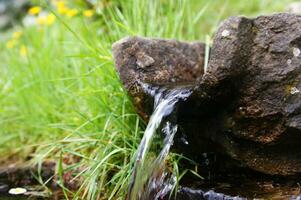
(63, 99)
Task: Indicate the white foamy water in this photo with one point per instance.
(150, 179)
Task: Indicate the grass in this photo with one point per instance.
(60, 97)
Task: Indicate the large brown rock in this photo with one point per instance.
(248, 104)
(156, 62)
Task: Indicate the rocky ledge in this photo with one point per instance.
(247, 105)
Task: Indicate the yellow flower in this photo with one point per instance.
(88, 13)
(34, 10)
(17, 34)
(72, 12)
(46, 20)
(11, 44)
(60, 4)
(42, 20)
(61, 7)
(50, 19)
(23, 50)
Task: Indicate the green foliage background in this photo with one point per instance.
(63, 99)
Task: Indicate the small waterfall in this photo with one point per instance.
(150, 178)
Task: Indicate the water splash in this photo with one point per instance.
(150, 179)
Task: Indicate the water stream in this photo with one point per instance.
(150, 178)
(153, 179)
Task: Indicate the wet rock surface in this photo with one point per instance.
(248, 104)
(28, 176)
(16, 174)
(3, 187)
(25, 176)
(242, 183)
(260, 124)
(185, 193)
(274, 192)
(156, 62)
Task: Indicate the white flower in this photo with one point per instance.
(17, 191)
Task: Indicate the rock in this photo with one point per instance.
(156, 62)
(17, 174)
(3, 187)
(144, 60)
(185, 193)
(260, 124)
(248, 104)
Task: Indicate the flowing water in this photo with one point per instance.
(150, 179)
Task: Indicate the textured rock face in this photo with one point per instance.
(262, 123)
(156, 62)
(248, 104)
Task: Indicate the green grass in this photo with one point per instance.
(64, 101)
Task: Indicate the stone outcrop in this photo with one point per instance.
(156, 62)
(248, 103)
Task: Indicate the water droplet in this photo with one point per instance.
(289, 61)
(184, 141)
